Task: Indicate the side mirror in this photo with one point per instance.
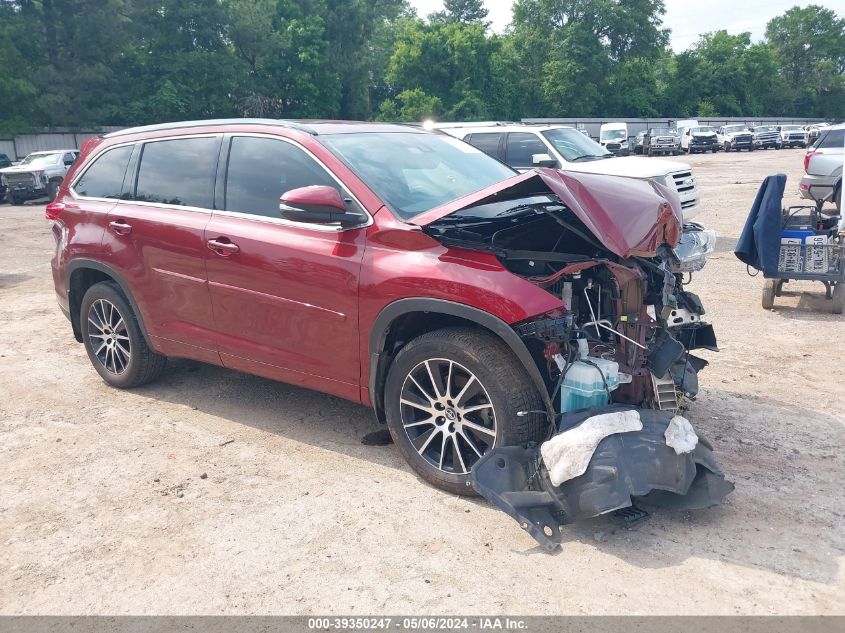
(317, 204)
(543, 160)
(68, 163)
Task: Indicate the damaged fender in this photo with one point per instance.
(635, 465)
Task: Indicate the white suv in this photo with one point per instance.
(524, 147)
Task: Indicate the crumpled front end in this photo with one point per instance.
(616, 255)
(649, 467)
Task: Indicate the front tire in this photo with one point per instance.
(113, 339)
(451, 396)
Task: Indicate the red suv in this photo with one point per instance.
(385, 264)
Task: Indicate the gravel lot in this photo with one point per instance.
(216, 492)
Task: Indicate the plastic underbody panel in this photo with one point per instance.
(625, 467)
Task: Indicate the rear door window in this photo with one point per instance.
(178, 172)
(104, 178)
(260, 170)
(486, 142)
(521, 149)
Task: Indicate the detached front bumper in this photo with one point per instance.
(625, 467)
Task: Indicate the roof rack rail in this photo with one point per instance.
(294, 125)
(442, 126)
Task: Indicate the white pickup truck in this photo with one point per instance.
(38, 175)
(737, 137)
(524, 147)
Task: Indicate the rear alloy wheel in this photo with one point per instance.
(451, 396)
(113, 339)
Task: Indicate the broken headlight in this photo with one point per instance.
(692, 251)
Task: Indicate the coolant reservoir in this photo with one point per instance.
(583, 386)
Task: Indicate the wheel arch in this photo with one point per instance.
(84, 273)
(404, 319)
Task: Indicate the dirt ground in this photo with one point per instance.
(216, 492)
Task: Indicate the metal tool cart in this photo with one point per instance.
(811, 249)
(796, 243)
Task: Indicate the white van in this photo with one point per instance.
(524, 147)
(614, 136)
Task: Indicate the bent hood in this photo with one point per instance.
(630, 217)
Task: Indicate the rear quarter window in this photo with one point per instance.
(178, 172)
(831, 139)
(104, 178)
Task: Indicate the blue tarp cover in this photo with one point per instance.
(759, 243)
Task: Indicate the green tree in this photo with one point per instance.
(466, 11)
(809, 43)
(411, 105)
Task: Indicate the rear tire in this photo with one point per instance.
(113, 339)
(53, 190)
(769, 292)
(839, 298)
(480, 387)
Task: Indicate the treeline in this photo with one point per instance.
(125, 62)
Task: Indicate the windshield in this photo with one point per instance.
(612, 135)
(700, 130)
(413, 172)
(662, 131)
(40, 158)
(765, 128)
(735, 128)
(573, 145)
(790, 128)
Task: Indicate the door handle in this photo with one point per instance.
(224, 249)
(120, 227)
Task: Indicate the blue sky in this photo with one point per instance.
(686, 18)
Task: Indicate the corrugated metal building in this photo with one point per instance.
(20, 145)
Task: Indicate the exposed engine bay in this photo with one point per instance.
(633, 311)
(622, 337)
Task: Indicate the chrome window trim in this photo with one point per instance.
(321, 228)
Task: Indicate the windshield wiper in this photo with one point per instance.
(591, 157)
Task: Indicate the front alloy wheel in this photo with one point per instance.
(452, 395)
(447, 415)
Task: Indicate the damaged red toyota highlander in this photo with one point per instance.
(479, 312)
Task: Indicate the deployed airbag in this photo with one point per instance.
(680, 435)
(568, 454)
